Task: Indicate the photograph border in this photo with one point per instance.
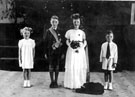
(133, 14)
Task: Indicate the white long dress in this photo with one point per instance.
(26, 47)
(75, 64)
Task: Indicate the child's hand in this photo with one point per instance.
(81, 44)
(56, 44)
(114, 65)
(20, 63)
(45, 56)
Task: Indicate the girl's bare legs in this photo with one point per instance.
(28, 77)
(25, 77)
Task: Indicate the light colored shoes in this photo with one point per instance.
(26, 84)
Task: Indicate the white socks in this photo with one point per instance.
(26, 83)
(108, 86)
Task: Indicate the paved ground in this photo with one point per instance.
(11, 85)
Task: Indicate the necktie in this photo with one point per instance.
(108, 51)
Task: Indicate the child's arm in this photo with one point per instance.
(115, 58)
(101, 56)
(116, 55)
(68, 43)
(33, 49)
(83, 45)
(33, 53)
(20, 57)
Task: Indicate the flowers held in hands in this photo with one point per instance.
(75, 45)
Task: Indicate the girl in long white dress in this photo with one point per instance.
(26, 54)
(75, 64)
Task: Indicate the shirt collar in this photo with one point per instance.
(109, 42)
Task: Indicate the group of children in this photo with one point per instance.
(76, 63)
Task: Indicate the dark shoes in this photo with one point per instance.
(53, 85)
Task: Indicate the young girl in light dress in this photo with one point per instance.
(76, 63)
(26, 54)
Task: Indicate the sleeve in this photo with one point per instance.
(67, 35)
(19, 52)
(33, 44)
(19, 43)
(45, 35)
(101, 52)
(84, 36)
(84, 39)
(47, 42)
(116, 54)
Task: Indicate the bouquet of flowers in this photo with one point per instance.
(75, 45)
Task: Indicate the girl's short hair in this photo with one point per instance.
(75, 16)
(26, 29)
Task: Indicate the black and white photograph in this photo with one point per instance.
(67, 48)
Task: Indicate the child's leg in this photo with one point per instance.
(51, 74)
(25, 74)
(56, 75)
(106, 79)
(110, 76)
(56, 78)
(28, 74)
(110, 79)
(57, 70)
(106, 75)
(51, 68)
(25, 77)
(28, 77)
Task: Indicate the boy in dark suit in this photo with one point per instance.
(53, 45)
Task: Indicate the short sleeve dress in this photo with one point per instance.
(27, 46)
(75, 64)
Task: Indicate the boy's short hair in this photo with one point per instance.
(109, 32)
(55, 17)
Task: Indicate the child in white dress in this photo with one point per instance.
(26, 54)
(75, 64)
(109, 57)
